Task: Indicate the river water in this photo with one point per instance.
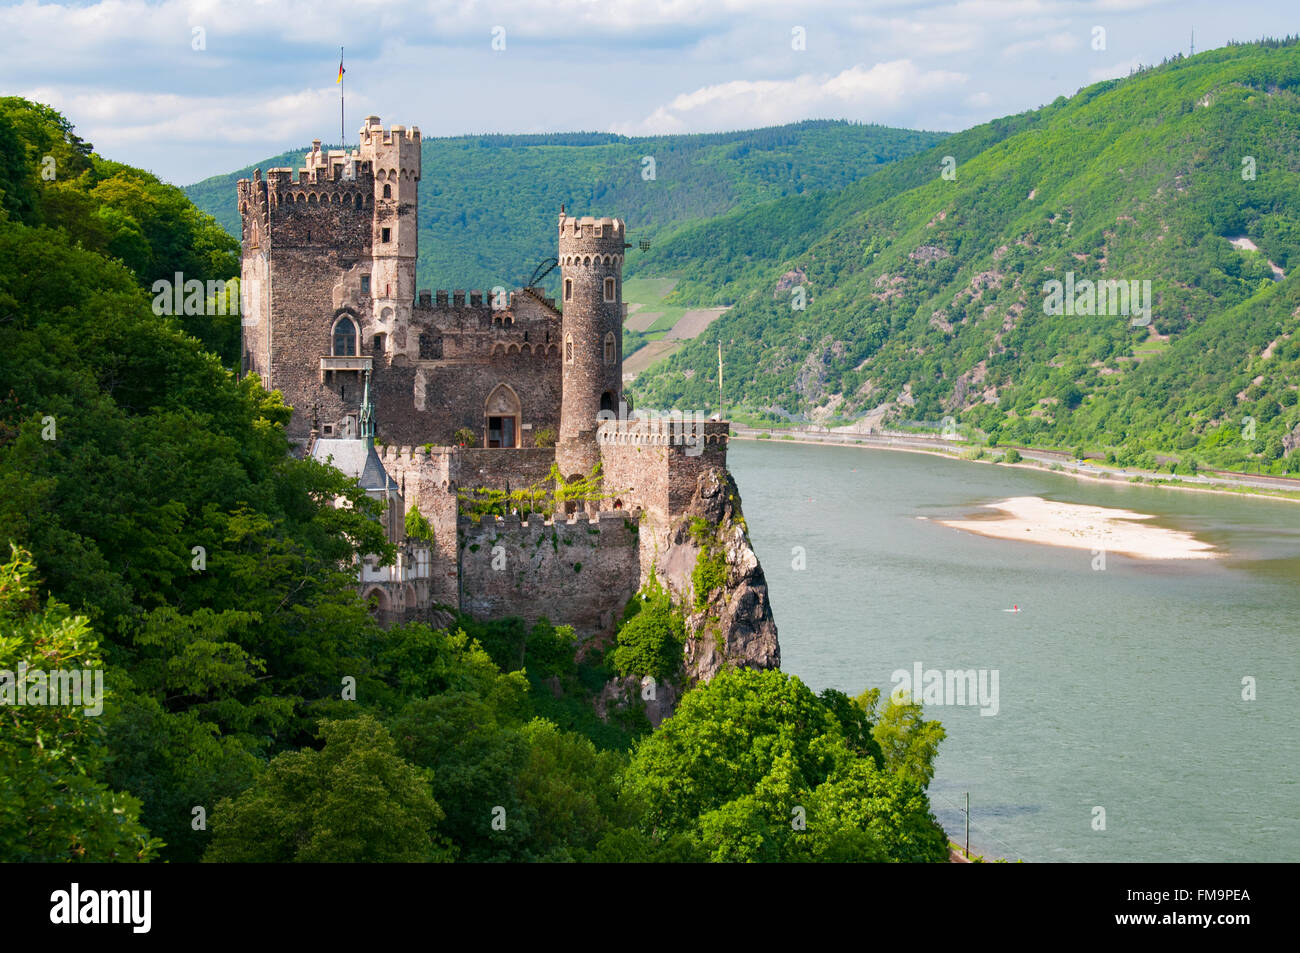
(1119, 689)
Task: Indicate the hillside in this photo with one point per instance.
(925, 295)
(488, 203)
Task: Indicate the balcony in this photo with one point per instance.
(358, 363)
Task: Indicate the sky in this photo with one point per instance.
(193, 88)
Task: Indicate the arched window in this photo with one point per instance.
(609, 289)
(611, 348)
(568, 349)
(345, 337)
(388, 191)
(568, 289)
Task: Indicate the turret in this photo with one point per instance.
(395, 158)
(591, 350)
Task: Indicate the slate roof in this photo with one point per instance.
(356, 457)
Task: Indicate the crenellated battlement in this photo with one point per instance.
(374, 133)
(590, 241)
(589, 226)
(664, 430)
(478, 309)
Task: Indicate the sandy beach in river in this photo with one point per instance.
(1032, 519)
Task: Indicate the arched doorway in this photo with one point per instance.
(502, 412)
(377, 600)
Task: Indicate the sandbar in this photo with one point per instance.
(1032, 519)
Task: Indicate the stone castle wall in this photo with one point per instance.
(656, 463)
(579, 573)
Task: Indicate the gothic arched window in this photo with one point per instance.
(611, 348)
(345, 337)
(568, 349)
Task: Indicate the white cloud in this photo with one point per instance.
(876, 94)
(126, 118)
(125, 73)
(1054, 44)
(1113, 70)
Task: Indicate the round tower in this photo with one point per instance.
(591, 350)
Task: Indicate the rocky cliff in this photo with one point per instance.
(729, 624)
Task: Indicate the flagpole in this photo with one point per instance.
(342, 136)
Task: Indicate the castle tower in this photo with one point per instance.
(394, 156)
(591, 352)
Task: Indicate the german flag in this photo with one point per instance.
(340, 79)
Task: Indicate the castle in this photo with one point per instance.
(462, 393)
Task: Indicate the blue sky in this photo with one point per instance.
(136, 81)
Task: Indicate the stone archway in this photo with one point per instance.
(502, 412)
(378, 601)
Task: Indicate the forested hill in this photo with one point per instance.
(925, 294)
(488, 204)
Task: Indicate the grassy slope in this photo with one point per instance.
(1132, 179)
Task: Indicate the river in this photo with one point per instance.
(1119, 688)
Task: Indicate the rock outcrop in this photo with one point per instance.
(735, 625)
(730, 626)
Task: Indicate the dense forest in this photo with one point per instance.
(488, 204)
(919, 292)
(158, 530)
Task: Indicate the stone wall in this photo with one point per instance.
(655, 464)
(502, 469)
(580, 573)
(424, 480)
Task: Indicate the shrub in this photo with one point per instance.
(465, 437)
(1012, 456)
(651, 641)
(550, 649)
(709, 575)
(544, 438)
(417, 527)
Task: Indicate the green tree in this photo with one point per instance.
(354, 800)
(54, 804)
(755, 767)
(908, 742)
